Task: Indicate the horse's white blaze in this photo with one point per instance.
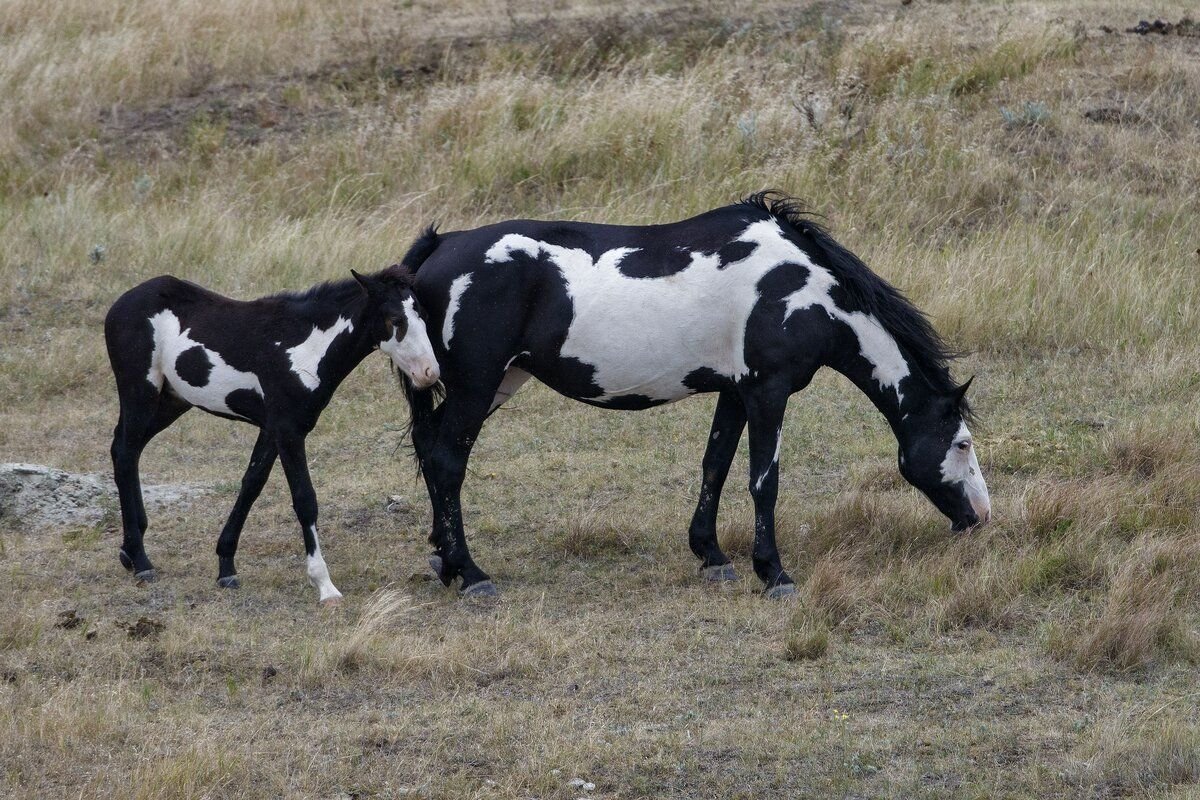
(644, 336)
(306, 356)
(318, 573)
(413, 354)
(457, 287)
(169, 342)
(962, 466)
(514, 378)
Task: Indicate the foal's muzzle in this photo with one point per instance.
(424, 377)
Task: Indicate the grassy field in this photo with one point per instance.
(1031, 179)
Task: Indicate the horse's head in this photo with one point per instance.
(394, 320)
(937, 455)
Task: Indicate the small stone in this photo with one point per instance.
(397, 504)
(589, 786)
(576, 783)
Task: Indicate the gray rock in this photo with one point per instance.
(41, 496)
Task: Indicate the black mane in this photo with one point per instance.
(342, 291)
(909, 326)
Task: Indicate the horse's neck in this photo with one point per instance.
(349, 347)
(893, 401)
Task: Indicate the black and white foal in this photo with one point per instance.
(273, 362)
(748, 301)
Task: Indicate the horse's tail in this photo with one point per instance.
(421, 249)
(421, 402)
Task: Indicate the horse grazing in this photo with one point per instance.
(273, 362)
(747, 301)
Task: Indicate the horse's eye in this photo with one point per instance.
(964, 445)
(388, 328)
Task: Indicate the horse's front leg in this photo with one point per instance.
(257, 472)
(461, 416)
(290, 445)
(764, 411)
(729, 420)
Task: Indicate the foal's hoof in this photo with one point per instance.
(146, 576)
(719, 573)
(781, 591)
(331, 602)
(483, 589)
(229, 582)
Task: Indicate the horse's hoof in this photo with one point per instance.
(229, 582)
(331, 602)
(483, 589)
(781, 591)
(719, 573)
(435, 564)
(146, 576)
(126, 561)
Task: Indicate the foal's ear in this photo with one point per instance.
(369, 285)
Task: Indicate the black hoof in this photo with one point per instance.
(481, 589)
(781, 591)
(126, 561)
(229, 582)
(719, 573)
(437, 565)
(146, 576)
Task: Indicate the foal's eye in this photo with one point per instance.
(964, 445)
(388, 328)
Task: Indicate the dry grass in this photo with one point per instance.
(273, 144)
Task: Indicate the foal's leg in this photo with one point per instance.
(144, 414)
(462, 415)
(764, 410)
(728, 422)
(259, 469)
(304, 501)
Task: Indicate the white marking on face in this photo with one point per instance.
(644, 336)
(306, 356)
(962, 466)
(774, 459)
(413, 354)
(318, 573)
(169, 342)
(457, 287)
(514, 378)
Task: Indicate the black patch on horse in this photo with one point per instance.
(194, 366)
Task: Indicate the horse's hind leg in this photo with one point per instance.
(461, 416)
(729, 420)
(764, 410)
(144, 414)
(257, 472)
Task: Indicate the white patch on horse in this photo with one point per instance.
(774, 459)
(413, 354)
(169, 343)
(644, 336)
(962, 466)
(514, 378)
(306, 356)
(318, 572)
(457, 287)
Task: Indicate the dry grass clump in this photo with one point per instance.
(1150, 753)
(983, 597)
(808, 641)
(1144, 617)
(833, 592)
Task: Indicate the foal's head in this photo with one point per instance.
(394, 320)
(937, 455)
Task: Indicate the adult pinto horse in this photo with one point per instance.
(748, 301)
(274, 362)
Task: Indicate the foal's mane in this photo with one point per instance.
(344, 289)
(928, 353)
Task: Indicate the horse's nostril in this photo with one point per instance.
(430, 373)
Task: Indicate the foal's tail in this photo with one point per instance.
(421, 402)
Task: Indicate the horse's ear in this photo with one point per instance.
(961, 392)
(368, 284)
